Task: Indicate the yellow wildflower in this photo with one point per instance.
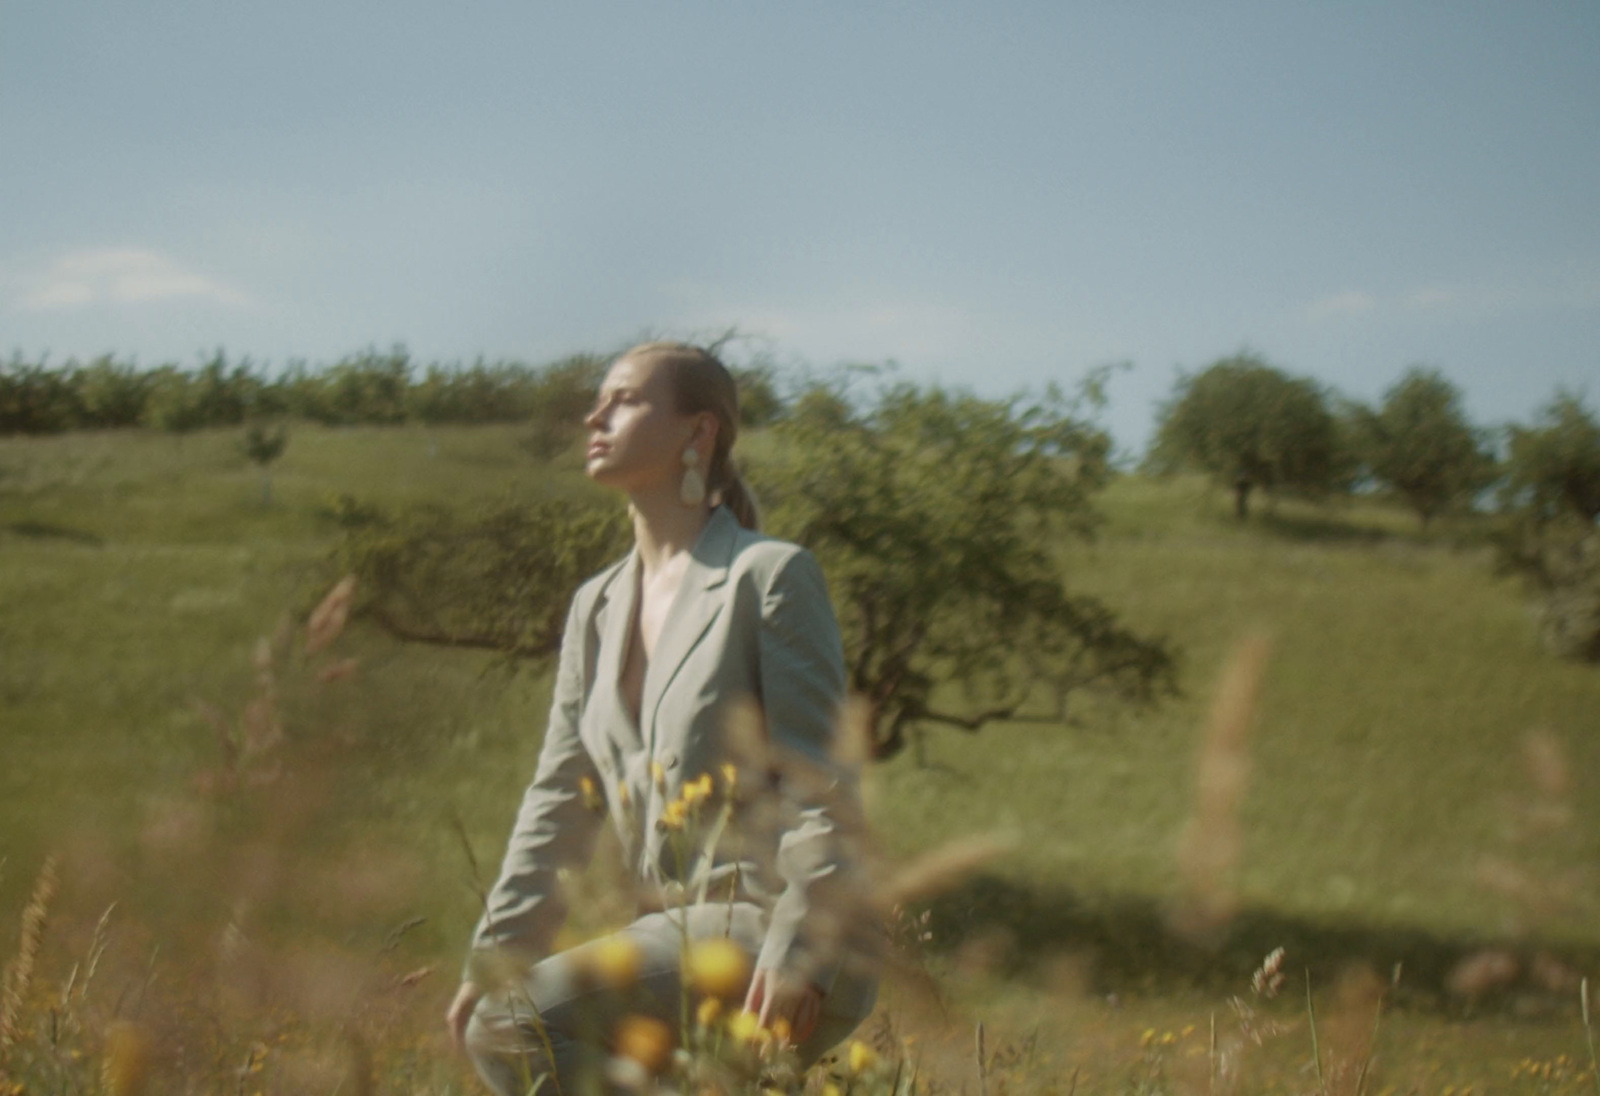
(730, 777)
(718, 967)
(862, 1057)
(697, 791)
(614, 960)
(744, 1026)
(673, 815)
(646, 1040)
(707, 1013)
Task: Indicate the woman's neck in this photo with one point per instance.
(663, 527)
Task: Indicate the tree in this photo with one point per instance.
(936, 517)
(498, 577)
(1249, 425)
(1553, 466)
(1548, 533)
(1420, 445)
(261, 446)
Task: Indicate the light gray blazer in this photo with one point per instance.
(751, 620)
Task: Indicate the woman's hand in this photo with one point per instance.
(459, 1014)
(774, 996)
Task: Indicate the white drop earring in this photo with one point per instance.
(692, 491)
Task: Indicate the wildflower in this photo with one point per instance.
(744, 1026)
(862, 1057)
(718, 967)
(698, 791)
(614, 960)
(645, 1040)
(707, 1013)
(591, 794)
(674, 814)
(730, 777)
(831, 1089)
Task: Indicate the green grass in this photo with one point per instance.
(138, 571)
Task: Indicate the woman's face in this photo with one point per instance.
(636, 436)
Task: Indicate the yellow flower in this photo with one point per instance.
(831, 1089)
(698, 791)
(718, 967)
(646, 1040)
(862, 1057)
(708, 1012)
(730, 777)
(781, 1029)
(591, 794)
(744, 1025)
(614, 960)
(673, 815)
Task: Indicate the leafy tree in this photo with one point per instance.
(261, 446)
(759, 401)
(1420, 445)
(1548, 533)
(1249, 425)
(564, 393)
(936, 516)
(1553, 466)
(498, 577)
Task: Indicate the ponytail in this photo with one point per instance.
(734, 493)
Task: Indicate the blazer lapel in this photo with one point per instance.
(612, 620)
(692, 611)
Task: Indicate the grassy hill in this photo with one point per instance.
(1421, 784)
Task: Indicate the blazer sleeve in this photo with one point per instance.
(554, 827)
(802, 686)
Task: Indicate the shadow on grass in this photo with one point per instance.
(1318, 529)
(35, 530)
(1129, 944)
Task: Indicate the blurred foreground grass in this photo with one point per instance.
(1421, 786)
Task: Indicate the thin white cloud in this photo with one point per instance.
(1432, 296)
(1352, 302)
(120, 276)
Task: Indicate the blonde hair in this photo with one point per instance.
(701, 383)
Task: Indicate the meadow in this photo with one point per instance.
(1419, 793)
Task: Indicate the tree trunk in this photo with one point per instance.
(1241, 499)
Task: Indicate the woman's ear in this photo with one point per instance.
(705, 433)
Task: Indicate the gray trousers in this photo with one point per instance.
(578, 1016)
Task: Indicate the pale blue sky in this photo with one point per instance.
(992, 194)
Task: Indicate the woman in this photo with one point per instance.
(703, 615)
